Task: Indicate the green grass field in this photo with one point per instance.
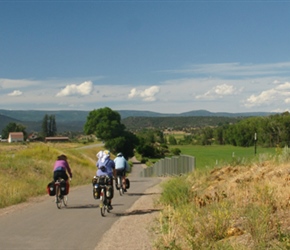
(210, 156)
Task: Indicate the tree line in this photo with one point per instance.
(270, 131)
(48, 127)
(107, 125)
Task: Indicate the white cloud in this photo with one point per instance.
(264, 98)
(214, 87)
(218, 92)
(133, 93)
(83, 89)
(148, 95)
(271, 96)
(284, 86)
(15, 93)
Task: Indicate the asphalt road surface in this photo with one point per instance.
(41, 225)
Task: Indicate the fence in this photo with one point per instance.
(176, 165)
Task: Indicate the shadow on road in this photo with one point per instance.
(138, 212)
(141, 194)
(82, 206)
(138, 181)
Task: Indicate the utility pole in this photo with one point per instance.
(255, 139)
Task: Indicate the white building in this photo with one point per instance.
(15, 137)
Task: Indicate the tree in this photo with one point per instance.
(172, 140)
(13, 127)
(49, 126)
(104, 123)
(124, 144)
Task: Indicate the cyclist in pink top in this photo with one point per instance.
(61, 167)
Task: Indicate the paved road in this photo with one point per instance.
(41, 226)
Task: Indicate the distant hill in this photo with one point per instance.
(4, 120)
(74, 120)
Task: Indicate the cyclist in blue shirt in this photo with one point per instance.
(121, 166)
(106, 166)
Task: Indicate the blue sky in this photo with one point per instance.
(161, 56)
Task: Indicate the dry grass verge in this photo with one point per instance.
(240, 207)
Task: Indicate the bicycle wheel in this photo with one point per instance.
(58, 200)
(103, 202)
(121, 191)
(64, 200)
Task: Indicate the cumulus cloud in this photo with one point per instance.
(280, 92)
(133, 93)
(284, 86)
(15, 93)
(265, 97)
(148, 95)
(218, 92)
(83, 89)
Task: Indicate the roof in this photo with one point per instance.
(16, 134)
(57, 138)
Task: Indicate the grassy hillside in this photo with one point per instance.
(27, 169)
(233, 207)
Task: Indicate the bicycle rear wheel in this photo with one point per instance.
(119, 183)
(102, 203)
(64, 200)
(58, 200)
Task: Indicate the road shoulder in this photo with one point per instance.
(134, 229)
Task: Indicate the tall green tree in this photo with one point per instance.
(49, 126)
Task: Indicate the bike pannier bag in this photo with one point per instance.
(64, 187)
(127, 183)
(51, 188)
(97, 191)
(109, 192)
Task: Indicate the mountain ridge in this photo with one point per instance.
(80, 115)
(74, 120)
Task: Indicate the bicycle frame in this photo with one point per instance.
(120, 184)
(104, 200)
(60, 199)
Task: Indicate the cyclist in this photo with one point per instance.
(61, 167)
(122, 166)
(106, 166)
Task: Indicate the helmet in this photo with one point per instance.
(107, 152)
(119, 154)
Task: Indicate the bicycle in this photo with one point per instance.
(105, 193)
(120, 182)
(59, 198)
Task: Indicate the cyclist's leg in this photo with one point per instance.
(112, 195)
(124, 180)
(119, 178)
(63, 175)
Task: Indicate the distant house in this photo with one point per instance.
(33, 137)
(56, 139)
(15, 137)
